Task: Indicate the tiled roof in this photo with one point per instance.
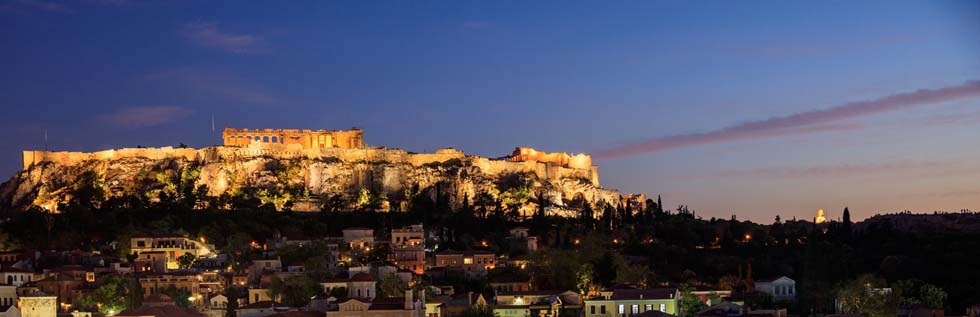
(635, 294)
(161, 311)
(362, 277)
(262, 304)
(299, 313)
(454, 252)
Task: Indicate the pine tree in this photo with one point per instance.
(847, 218)
(660, 205)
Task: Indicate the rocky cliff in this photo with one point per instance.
(306, 180)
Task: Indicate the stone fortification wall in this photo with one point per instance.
(524, 154)
(74, 158)
(544, 170)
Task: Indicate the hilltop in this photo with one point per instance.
(306, 170)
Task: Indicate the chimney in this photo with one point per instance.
(409, 303)
(469, 299)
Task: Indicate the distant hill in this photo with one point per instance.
(965, 222)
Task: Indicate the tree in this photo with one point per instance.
(339, 292)
(632, 274)
(915, 292)
(689, 303)
(233, 293)
(727, 282)
(391, 286)
(239, 247)
(186, 260)
(110, 297)
(181, 297)
(293, 291)
(866, 295)
(584, 281)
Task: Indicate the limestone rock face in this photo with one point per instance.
(300, 180)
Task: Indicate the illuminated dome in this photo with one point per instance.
(820, 217)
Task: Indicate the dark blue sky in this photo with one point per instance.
(558, 76)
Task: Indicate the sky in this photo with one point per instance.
(756, 109)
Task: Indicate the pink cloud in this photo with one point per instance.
(208, 35)
(146, 116)
(837, 170)
(809, 122)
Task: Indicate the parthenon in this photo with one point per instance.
(307, 139)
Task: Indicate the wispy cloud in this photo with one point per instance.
(837, 170)
(956, 118)
(815, 121)
(146, 116)
(217, 85)
(31, 5)
(207, 34)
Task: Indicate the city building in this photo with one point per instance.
(15, 276)
(631, 302)
(360, 285)
(157, 283)
(782, 289)
(386, 307)
(160, 305)
(9, 311)
(172, 247)
(37, 305)
(359, 239)
(460, 303)
(259, 309)
(510, 283)
(408, 247)
(474, 264)
(8, 294)
(538, 303)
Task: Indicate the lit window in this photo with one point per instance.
(635, 309)
(622, 309)
(468, 261)
(663, 307)
(647, 307)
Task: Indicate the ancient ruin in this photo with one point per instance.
(284, 138)
(522, 154)
(301, 169)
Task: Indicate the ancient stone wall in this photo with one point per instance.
(282, 138)
(73, 158)
(522, 154)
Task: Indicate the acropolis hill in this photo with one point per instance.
(307, 170)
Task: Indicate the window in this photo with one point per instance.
(647, 307)
(622, 309)
(663, 308)
(635, 309)
(592, 309)
(602, 309)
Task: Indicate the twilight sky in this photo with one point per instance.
(754, 108)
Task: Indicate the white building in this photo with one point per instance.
(16, 277)
(782, 289)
